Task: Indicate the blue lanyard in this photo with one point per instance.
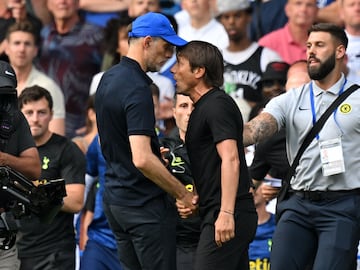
(313, 111)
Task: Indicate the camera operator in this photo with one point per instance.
(17, 151)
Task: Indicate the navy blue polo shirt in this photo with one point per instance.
(124, 107)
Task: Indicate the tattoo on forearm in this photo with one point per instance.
(265, 129)
(260, 128)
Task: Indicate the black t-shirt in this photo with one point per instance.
(270, 158)
(187, 229)
(215, 118)
(240, 75)
(60, 158)
(124, 107)
(19, 141)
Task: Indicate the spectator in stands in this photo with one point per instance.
(84, 141)
(140, 7)
(70, 54)
(22, 48)
(297, 75)
(350, 14)
(244, 60)
(273, 80)
(329, 12)
(99, 12)
(290, 40)
(202, 24)
(12, 11)
(268, 15)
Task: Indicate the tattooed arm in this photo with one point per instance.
(259, 128)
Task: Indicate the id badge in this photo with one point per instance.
(332, 158)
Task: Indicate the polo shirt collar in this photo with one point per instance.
(333, 89)
(131, 62)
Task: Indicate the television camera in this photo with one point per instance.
(20, 197)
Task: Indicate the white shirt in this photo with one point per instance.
(213, 32)
(353, 53)
(36, 77)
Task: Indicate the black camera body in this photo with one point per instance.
(21, 197)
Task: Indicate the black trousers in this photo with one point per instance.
(232, 255)
(145, 235)
(60, 260)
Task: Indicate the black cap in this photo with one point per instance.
(8, 81)
(275, 71)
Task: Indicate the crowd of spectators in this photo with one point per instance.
(65, 47)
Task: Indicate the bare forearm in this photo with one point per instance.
(41, 11)
(74, 200)
(29, 166)
(260, 128)
(104, 5)
(229, 184)
(330, 14)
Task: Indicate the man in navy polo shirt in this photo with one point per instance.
(136, 182)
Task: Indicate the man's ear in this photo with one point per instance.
(146, 41)
(199, 72)
(340, 52)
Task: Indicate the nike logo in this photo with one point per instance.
(303, 109)
(9, 73)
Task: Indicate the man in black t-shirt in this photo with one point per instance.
(17, 151)
(45, 246)
(217, 158)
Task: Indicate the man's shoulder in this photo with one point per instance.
(274, 36)
(40, 78)
(57, 140)
(90, 31)
(63, 147)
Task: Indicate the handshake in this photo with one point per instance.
(187, 206)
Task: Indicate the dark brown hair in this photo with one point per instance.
(208, 56)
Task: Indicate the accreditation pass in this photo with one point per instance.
(332, 158)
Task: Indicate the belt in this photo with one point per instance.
(324, 195)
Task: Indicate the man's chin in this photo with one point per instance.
(36, 134)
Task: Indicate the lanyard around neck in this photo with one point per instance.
(312, 102)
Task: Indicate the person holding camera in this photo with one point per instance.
(17, 151)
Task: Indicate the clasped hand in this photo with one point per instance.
(188, 205)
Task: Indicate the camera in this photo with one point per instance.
(21, 197)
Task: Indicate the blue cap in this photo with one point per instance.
(155, 25)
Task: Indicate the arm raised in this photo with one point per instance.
(260, 128)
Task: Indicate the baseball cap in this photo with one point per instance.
(155, 25)
(8, 81)
(275, 71)
(231, 5)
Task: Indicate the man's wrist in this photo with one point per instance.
(227, 211)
